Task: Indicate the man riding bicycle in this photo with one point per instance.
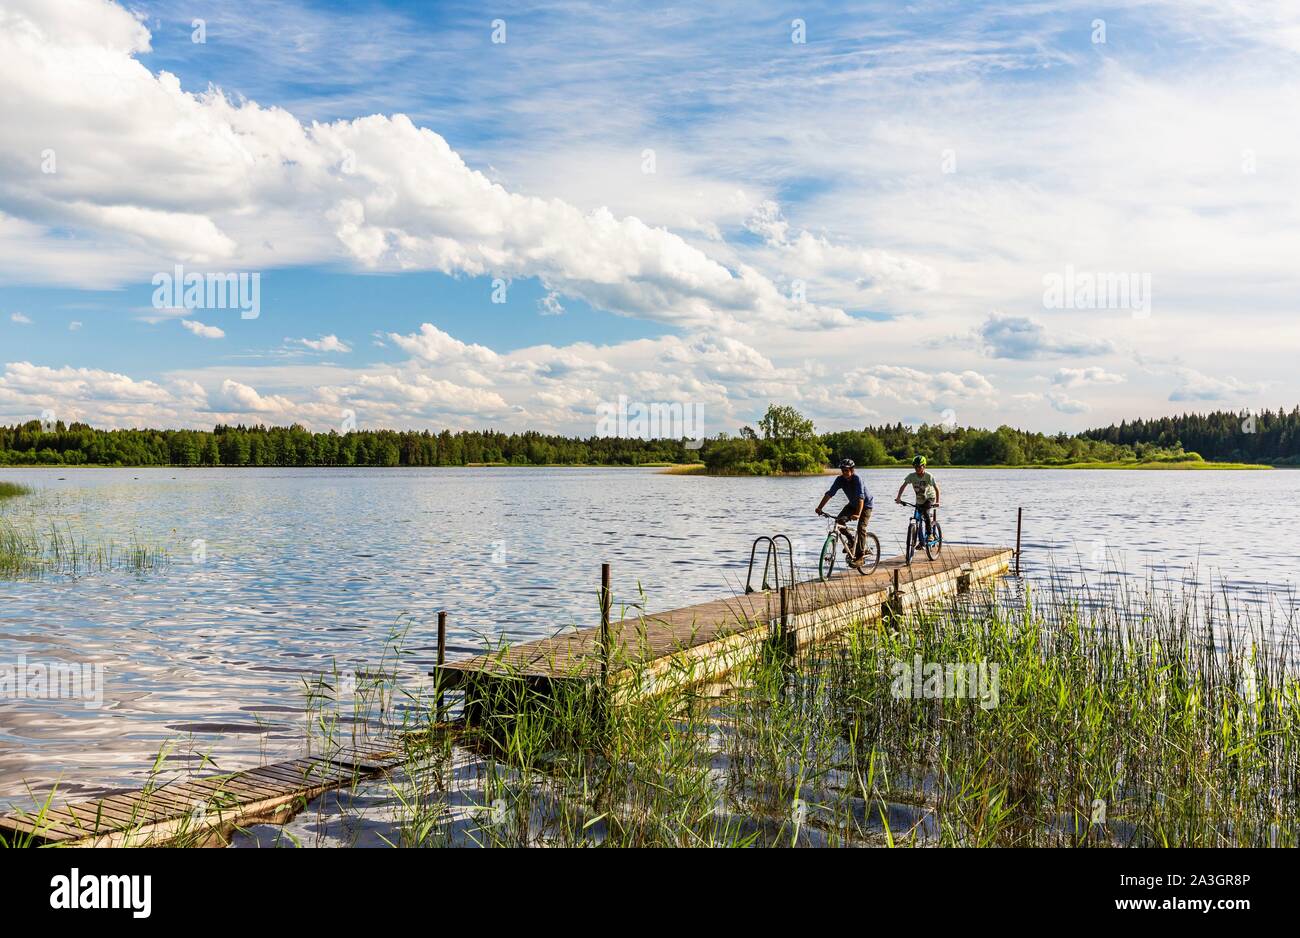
(926, 489)
(858, 508)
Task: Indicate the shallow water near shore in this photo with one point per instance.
(276, 576)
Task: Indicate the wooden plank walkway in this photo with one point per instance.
(202, 807)
(711, 637)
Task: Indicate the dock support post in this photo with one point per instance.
(1020, 512)
(442, 659)
(605, 603)
(893, 607)
(780, 641)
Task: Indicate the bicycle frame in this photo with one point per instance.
(844, 536)
(925, 531)
(833, 527)
(842, 531)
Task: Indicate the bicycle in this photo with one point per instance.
(839, 536)
(916, 538)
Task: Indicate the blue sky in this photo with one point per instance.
(679, 204)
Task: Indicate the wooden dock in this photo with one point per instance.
(643, 654)
(650, 653)
(200, 809)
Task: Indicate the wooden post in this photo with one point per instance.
(1020, 512)
(785, 611)
(605, 603)
(442, 657)
(893, 606)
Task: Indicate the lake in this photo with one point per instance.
(277, 575)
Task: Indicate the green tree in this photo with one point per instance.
(785, 423)
(862, 447)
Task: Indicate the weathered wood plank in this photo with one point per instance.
(42, 829)
(154, 815)
(365, 761)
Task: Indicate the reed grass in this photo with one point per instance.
(1154, 720)
(32, 553)
(13, 490)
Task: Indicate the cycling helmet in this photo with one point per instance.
(918, 461)
(846, 463)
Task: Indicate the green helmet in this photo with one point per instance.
(918, 461)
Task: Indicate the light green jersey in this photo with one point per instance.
(922, 484)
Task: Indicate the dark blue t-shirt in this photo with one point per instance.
(853, 487)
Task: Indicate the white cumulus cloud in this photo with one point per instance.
(326, 343)
(203, 331)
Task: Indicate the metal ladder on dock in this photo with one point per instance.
(771, 562)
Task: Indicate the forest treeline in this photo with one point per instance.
(784, 441)
(1221, 436)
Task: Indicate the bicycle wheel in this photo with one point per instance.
(911, 542)
(827, 562)
(928, 542)
(870, 554)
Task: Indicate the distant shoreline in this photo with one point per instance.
(684, 469)
(700, 470)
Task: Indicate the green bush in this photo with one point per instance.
(728, 454)
(862, 447)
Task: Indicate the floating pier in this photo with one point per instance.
(652, 653)
(637, 655)
(203, 808)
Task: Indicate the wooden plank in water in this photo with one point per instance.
(365, 761)
(290, 776)
(173, 796)
(197, 805)
(265, 777)
(142, 808)
(40, 829)
(98, 815)
(79, 820)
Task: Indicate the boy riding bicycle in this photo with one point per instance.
(859, 506)
(926, 489)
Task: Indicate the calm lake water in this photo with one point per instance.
(278, 575)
